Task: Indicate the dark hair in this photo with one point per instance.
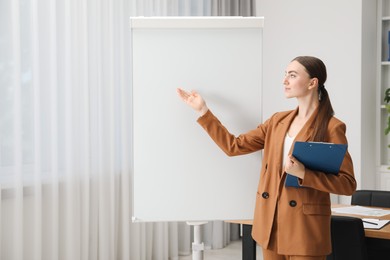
(317, 69)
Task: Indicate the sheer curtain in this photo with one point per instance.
(65, 126)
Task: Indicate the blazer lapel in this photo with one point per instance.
(282, 129)
(284, 124)
(304, 134)
(280, 132)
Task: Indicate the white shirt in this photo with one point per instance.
(286, 147)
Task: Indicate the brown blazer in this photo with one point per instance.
(303, 214)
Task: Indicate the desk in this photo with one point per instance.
(383, 233)
(249, 245)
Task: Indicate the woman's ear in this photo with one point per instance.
(313, 83)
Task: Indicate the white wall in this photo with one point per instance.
(331, 30)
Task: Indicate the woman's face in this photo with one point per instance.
(297, 82)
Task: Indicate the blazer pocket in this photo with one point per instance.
(317, 209)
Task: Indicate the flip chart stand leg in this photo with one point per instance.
(197, 245)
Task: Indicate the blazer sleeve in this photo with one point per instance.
(243, 144)
(344, 182)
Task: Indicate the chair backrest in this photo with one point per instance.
(375, 198)
(348, 239)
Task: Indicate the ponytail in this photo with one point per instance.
(325, 113)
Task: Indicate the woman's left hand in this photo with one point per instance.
(294, 167)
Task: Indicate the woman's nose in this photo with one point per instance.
(285, 80)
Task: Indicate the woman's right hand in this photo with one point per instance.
(194, 100)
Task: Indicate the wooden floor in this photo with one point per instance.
(231, 252)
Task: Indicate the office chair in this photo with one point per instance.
(348, 239)
(377, 249)
(375, 198)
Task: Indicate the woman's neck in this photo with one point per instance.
(305, 112)
(306, 108)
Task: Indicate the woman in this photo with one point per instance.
(290, 223)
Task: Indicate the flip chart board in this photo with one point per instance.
(179, 174)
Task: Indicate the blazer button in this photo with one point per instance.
(265, 195)
(293, 203)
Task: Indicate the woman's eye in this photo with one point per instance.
(290, 76)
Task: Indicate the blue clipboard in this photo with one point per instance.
(317, 156)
